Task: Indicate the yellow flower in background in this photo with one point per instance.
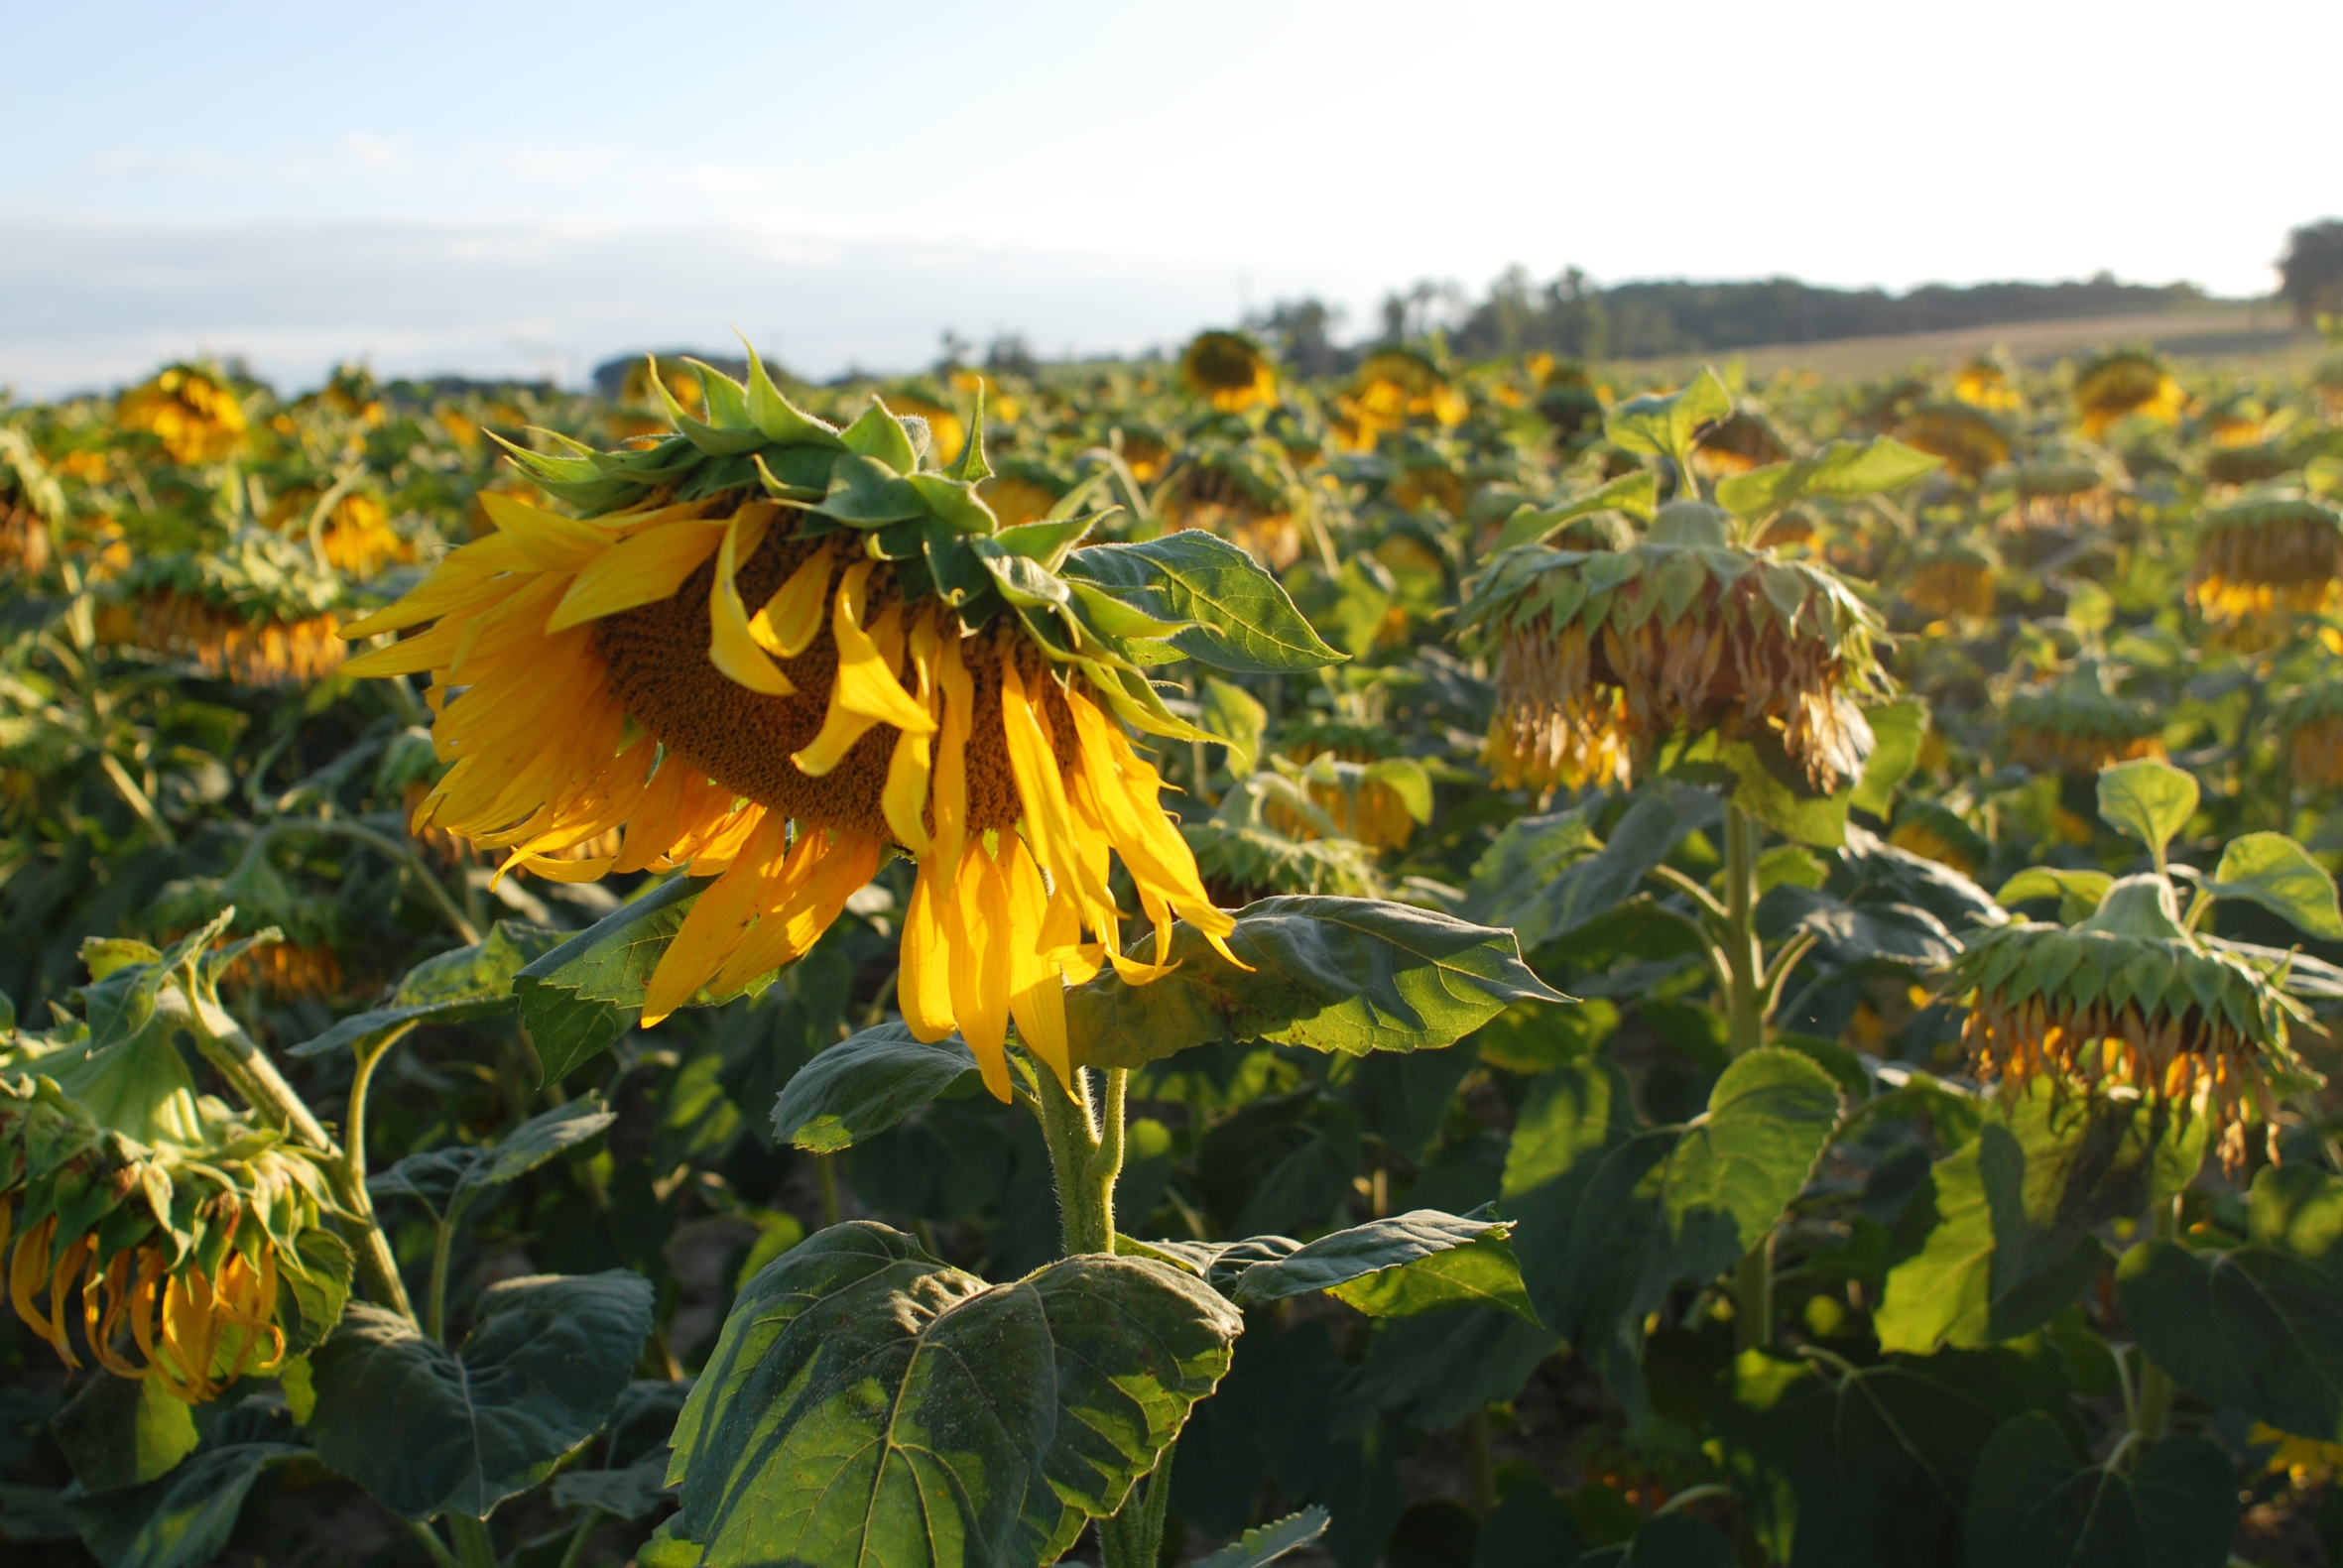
(1229, 371)
(2267, 559)
(1983, 384)
(742, 686)
(228, 645)
(194, 415)
(2116, 385)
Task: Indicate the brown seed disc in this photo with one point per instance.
(657, 657)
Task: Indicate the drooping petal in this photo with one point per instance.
(730, 648)
(923, 978)
(792, 618)
(649, 567)
(1037, 990)
(866, 692)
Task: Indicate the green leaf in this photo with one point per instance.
(1684, 1203)
(34, 1513)
(432, 1431)
(865, 493)
(1433, 1371)
(1348, 975)
(864, 1085)
(1244, 620)
(630, 1492)
(1664, 426)
(1841, 469)
(2272, 869)
(1483, 1273)
(2257, 1329)
(1238, 719)
(1533, 880)
(2078, 892)
(2001, 1237)
(122, 1431)
(582, 996)
(1266, 1543)
(181, 1520)
(1769, 787)
(467, 983)
(1635, 494)
(1671, 1540)
(1897, 730)
(868, 1404)
(2035, 1504)
(1368, 1260)
(2149, 799)
(1573, 1116)
(536, 1141)
(879, 434)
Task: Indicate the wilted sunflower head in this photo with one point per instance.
(255, 610)
(2114, 385)
(1969, 441)
(354, 533)
(2077, 725)
(772, 651)
(1953, 580)
(2310, 718)
(1735, 444)
(175, 1238)
(2130, 999)
(2277, 557)
(1358, 782)
(2247, 465)
(2057, 493)
(1270, 836)
(1229, 371)
(191, 409)
(30, 499)
(1394, 386)
(1603, 654)
(1244, 492)
(1984, 384)
(1938, 833)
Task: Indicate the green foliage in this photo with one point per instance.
(2035, 1502)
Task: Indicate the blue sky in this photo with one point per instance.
(519, 187)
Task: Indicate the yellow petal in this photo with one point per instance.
(456, 580)
(730, 648)
(643, 569)
(1037, 992)
(947, 792)
(866, 692)
(1033, 759)
(792, 618)
(714, 928)
(548, 540)
(922, 979)
(979, 954)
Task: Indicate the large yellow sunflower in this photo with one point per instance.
(776, 652)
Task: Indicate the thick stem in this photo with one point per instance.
(1745, 963)
(577, 1538)
(1475, 1432)
(1134, 1536)
(2154, 1406)
(375, 1258)
(1752, 1297)
(825, 1177)
(1084, 1162)
(429, 1538)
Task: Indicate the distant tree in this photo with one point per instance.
(2311, 274)
(1010, 355)
(1300, 333)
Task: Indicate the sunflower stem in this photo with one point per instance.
(1083, 1158)
(1753, 1296)
(1745, 964)
(474, 1547)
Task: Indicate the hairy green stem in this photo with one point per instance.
(375, 1258)
(1745, 964)
(825, 1177)
(434, 1321)
(1753, 1296)
(474, 1547)
(1083, 1158)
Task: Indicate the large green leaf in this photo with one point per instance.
(867, 1404)
(1842, 468)
(122, 1431)
(1635, 494)
(1573, 1116)
(1686, 1202)
(1480, 1273)
(1394, 1268)
(1999, 1238)
(2035, 1504)
(582, 996)
(1666, 425)
(1518, 884)
(1244, 620)
(2151, 800)
(1870, 1467)
(2259, 1328)
(447, 1180)
(466, 983)
(1348, 975)
(1259, 1547)
(430, 1431)
(864, 1085)
(633, 1479)
(2272, 869)
(1897, 730)
(181, 1520)
(1434, 1371)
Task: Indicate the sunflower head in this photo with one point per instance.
(256, 609)
(1953, 580)
(2078, 726)
(1229, 371)
(2058, 494)
(145, 1224)
(2113, 386)
(773, 651)
(1395, 387)
(1244, 492)
(2130, 999)
(2310, 718)
(1603, 654)
(1269, 835)
(2263, 559)
(354, 535)
(1935, 832)
(191, 409)
(1968, 439)
(30, 500)
(1985, 384)
(1735, 444)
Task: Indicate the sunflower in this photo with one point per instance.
(1394, 386)
(1229, 371)
(2238, 466)
(1967, 440)
(1955, 580)
(2060, 495)
(1359, 783)
(2130, 999)
(1735, 444)
(229, 646)
(29, 498)
(2078, 726)
(948, 433)
(191, 411)
(356, 534)
(1246, 493)
(2282, 555)
(1983, 384)
(1935, 832)
(2116, 385)
(2310, 718)
(1604, 653)
(773, 653)
(187, 1243)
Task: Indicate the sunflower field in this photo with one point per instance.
(1482, 964)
